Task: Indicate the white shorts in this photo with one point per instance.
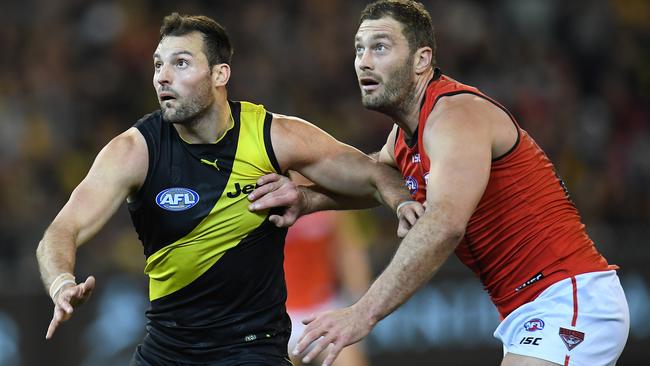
(579, 321)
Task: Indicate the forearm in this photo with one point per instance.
(316, 198)
(56, 253)
(418, 258)
(389, 185)
(366, 184)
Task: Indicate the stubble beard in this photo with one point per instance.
(186, 113)
(397, 94)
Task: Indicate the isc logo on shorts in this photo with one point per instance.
(177, 199)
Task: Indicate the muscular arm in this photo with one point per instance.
(346, 177)
(118, 171)
(458, 141)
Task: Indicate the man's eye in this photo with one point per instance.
(359, 50)
(157, 65)
(181, 63)
(380, 47)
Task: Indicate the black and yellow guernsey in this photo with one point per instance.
(216, 279)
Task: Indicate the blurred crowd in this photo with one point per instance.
(75, 73)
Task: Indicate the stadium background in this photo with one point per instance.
(75, 73)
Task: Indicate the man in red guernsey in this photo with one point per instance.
(492, 196)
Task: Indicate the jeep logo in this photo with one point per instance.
(239, 190)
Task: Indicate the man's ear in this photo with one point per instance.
(422, 59)
(220, 74)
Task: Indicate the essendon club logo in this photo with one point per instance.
(571, 338)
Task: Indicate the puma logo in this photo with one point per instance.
(208, 162)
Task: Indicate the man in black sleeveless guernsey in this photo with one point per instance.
(217, 286)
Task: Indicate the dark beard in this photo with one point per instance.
(398, 92)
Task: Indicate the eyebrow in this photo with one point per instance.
(375, 37)
(157, 55)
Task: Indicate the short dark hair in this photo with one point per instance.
(416, 21)
(216, 43)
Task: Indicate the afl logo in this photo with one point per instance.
(534, 324)
(177, 199)
(411, 184)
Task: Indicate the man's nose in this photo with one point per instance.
(365, 61)
(164, 76)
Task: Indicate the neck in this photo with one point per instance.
(407, 114)
(209, 127)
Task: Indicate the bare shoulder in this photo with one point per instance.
(469, 106)
(297, 142)
(472, 118)
(289, 126)
(127, 141)
(463, 104)
(125, 157)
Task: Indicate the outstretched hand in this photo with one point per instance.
(66, 300)
(275, 190)
(408, 215)
(332, 330)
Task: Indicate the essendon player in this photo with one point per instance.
(492, 196)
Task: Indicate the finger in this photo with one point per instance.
(420, 209)
(51, 328)
(276, 220)
(309, 319)
(54, 323)
(271, 177)
(90, 282)
(65, 298)
(87, 288)
(268, 201)
(402, 230)
(260, 191)
(410, 217)
(318, 348)
(332, 354)
(308, 337)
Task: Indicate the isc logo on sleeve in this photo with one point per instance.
(177, 199)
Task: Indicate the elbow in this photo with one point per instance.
(40, 250)
(454, 234)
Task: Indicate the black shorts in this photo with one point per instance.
(142, 357)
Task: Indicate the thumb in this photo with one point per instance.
(402, 231)
(309, 319)
(89, 284)
(277, 220)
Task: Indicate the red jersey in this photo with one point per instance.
(309, 263)
(525, 234)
